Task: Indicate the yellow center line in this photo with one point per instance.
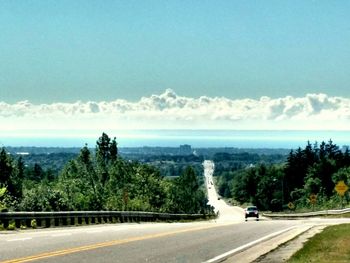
(105, 244)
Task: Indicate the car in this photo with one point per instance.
(251, 211)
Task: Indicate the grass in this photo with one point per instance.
(345, 215)
(331, 245)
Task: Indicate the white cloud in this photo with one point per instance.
(171, 111)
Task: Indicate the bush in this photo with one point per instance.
(33, 223)
(12, 226)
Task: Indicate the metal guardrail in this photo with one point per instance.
(308, 214)
(47, 219)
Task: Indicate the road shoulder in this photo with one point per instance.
(277, 249)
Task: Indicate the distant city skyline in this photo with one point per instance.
(68, 51)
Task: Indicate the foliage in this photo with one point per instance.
(99, 180)
(312, 170)
(2, 198)
(33, 223)
(186, 195)
(43, 197)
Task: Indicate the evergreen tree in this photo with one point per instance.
(186, 195)
(2, 198)
(5, 168)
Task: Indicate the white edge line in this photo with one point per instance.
(250, 244)
(94, 231)
(19, 239)
(61, 235)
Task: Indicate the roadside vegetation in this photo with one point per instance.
(331, 245)
(98, 180)
(272, 185)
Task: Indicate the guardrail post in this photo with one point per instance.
(80, 220)
(57, 221)
(93, 220)
(6, 223)
(18, 223)
(87, 220)
(28, 222)
(47, 222)
(64, 221)
(38, 222)
(72, 221)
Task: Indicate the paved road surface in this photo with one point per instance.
(226, 213)
(162, 242)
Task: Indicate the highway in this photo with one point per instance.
(145, 242)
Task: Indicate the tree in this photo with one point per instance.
(342, 174)
(44, 197)
(37, 173)
(106, 151)
(186, 197)
(2, 198)
(16, 178)
(8, 176)
(5, 168)
(80, 183)
(113, 150)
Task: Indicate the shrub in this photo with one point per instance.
(33, 223)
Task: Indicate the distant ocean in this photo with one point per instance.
(195, 138)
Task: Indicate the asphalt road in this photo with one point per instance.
(145, 242)
(226, 213)
(161, 242)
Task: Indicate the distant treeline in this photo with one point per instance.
(53, 159)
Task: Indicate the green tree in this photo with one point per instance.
(106, 152)
(343, 174)
(2, 198)
(186, 196)
(80, 183)
(44, 197)
(5, 168)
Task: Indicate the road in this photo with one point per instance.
(162, 242)
(226, 213)
(146, 242)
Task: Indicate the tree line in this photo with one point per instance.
(313, 170)
(101, 180)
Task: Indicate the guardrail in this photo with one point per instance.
(47, 219)
(308, 214)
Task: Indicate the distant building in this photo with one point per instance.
(22, 153)
(185, 149)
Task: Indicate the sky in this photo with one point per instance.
(82, 65)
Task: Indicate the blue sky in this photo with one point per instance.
(65, 51)
(80, 68)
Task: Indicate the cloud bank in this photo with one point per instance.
(171, 111)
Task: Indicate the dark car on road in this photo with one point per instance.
(251, 211)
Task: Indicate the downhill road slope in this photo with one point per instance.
(226, 213)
